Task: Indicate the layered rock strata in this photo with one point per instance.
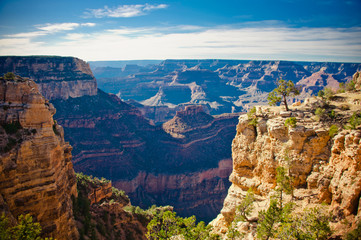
(36, 171)
(56, 77)
(107, 132)
(324, 168)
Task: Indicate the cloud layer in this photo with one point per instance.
(123, 11)
(227, 42)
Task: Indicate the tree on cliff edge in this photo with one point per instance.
(284, 89)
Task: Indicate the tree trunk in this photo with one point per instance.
(285, 102)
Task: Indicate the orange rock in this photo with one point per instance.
(36, 172)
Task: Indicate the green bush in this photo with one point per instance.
(320, 112)
(291, 122)
(332, 114)
(354, 121)
(252, 118)
(168, 224)
(9, 76)
(350, 86)
(333, 131)
(326, 94)
(26, 229)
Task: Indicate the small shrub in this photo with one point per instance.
(333, 131)
(9, 76)
(326, 94)
(350, 86)
(252, 118)
(332, 114)
(319, 113)
(291, 122)
(354, 121)
(341, 87)
(119, 193)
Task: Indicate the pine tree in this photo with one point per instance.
(284, 89)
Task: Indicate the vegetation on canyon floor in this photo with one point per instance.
(25, 229)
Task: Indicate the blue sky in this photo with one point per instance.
(317, 30)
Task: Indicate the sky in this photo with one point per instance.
(296, 30)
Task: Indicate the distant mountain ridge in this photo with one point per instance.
(221, 86)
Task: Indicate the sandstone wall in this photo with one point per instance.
(36, 172)
(57, 77)
(325, 169)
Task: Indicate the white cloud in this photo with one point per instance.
(87, 24)
(123, 11)
(316, 44)
(58, 27)
(50, 28)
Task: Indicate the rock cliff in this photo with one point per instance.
(36, 170)
(56, 77)
(324, 168)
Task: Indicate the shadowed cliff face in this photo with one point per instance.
(56, 77)
(112, 139)
(36, 172)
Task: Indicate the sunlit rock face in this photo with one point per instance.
(325, 169)
(36, 170)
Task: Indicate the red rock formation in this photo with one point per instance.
(36, 172)
(100, 193)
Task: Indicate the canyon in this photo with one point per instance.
(172, 152)
(112, 139)
(220, 86)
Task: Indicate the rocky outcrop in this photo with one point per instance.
(36, 170)
(324, 168)
(357, 80)
(105, 213)
(187, 120)
(340, 183)
(56, 77)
